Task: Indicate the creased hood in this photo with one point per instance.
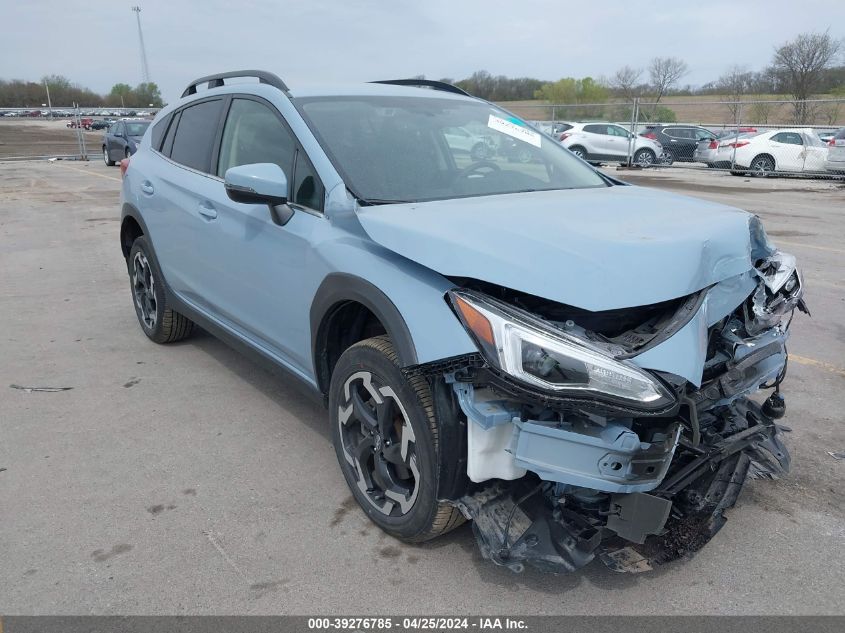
(596, 249)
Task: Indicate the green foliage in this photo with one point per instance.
(141, 96)
(659, 114)
(575, 91)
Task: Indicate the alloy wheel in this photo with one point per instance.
(644, 158)
(378, 444)
(762, 166)
(143, 289)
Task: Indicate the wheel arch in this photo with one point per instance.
(132, 226)
(765, 155)
(338, 295)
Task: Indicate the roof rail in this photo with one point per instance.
(216, 80)
(428, 83)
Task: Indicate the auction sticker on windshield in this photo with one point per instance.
(514, 127)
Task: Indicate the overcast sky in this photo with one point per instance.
(95, 43)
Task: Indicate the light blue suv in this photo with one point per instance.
(560, 357)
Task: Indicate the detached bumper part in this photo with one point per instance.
(609, 459)
(578, 507)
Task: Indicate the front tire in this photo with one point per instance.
(159, 321)
(106, 158)
(386, 438)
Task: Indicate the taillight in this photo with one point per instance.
(651, 135)
(738, 144)
(714, 144)
(124, 165)
(832, 142)
(565, 136)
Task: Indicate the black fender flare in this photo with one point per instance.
(338, 289)
(130, 211)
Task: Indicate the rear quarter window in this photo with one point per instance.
(195, 135)
(159, 129)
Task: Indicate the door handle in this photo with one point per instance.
(207, 211)
(671, 140)
(147, 187)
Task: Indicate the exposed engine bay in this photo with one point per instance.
(586, 437)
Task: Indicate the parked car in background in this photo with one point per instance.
(608, 142)
(836, 153)
(718, 152)
(121, 140)
(84, 122)
(678, 141)
(572, 362)
(477, 146)
(100, 124)
(789, 150)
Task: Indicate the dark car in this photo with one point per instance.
(121, 140)
(678, 140)
(100, 124)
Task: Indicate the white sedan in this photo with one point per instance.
(793, 150)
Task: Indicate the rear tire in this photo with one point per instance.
(386, 438)
(762, 166)
(579, 151)
(644, 158)
(480, 151)
(159, 321)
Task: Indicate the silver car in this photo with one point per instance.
(836, 153)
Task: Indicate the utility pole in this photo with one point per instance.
(145, 69)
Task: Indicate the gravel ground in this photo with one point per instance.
(44, 138)
(184, 479)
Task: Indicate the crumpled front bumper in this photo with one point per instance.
(558, 485)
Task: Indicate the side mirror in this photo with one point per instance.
(260, 183)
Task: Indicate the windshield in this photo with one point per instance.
(136, 128)
(412, 149)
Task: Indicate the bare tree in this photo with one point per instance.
(802, 63)
(626, 82)
(733, 84)
(665, 72)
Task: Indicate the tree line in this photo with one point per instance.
(17, 93)
(802, 68)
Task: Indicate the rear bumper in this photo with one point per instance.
(835, 166)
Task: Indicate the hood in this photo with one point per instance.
(596, 249)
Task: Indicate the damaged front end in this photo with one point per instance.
(584, 440)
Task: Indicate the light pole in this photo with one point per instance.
(145, 69)
(49, 104)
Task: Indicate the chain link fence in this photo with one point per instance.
(759, 137)
(64, 133)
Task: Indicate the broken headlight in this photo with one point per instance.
(779, 293)
(549, 358)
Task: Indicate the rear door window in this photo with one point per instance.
(159, 129)
(596, 129)
(195, 134)
(790, 138)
